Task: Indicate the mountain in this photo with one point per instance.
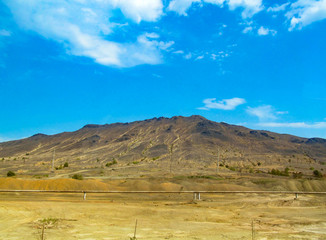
(158, 146)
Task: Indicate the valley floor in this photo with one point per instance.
(237, 216)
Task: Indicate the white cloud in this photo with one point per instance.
(265, 31)
(5, 33)
(139, 10)
(250, 7)
(200, 57)
(247, 29)
(317, 125)
(181, 6)
(82, 26)
(225, 104)
(305, 12)
(178, 52)
(188, 56)
(262, 112)
(278, 8)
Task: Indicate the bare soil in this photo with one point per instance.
(160, 216)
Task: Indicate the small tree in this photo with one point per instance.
(10, 174)
(77, 177)
(318, 174)
(66, 165)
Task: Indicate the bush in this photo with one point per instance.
(297, 174)
(318, 174)
(77, 177)
(10, 174)
(109, 164)
(280, 173)
(66, 164)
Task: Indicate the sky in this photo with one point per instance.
(67, 63)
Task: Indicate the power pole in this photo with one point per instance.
(171, 152)
(218, 160)
(53, 156)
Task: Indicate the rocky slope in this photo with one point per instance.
(179, 145)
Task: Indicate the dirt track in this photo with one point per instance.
(162, 216)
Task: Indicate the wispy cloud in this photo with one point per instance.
(262, 31)
(278, 8)
(5, 33)
(247, 29)
(316, 125)
(266, 112)
(225, 104)
(305, 12)
(250, 7)
(83, 27)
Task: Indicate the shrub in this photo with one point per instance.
(279, 173)
(66, 164)
(232, 168)
(111, 163)
(259, 163)
(10, 174)
(59, 168)
(297, 174)
(77, 177)
(317, 174)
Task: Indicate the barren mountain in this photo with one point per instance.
(158, 146)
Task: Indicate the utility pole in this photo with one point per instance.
(171, 152)
(53, 156)
(218, 160)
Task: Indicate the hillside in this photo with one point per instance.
(160, 146)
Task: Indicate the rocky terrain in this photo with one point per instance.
(161, 146)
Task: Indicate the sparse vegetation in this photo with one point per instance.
(40, 176)
(77, 177)
(232, 168)
(109, 164)
(317, 174)
(204, 177)
(155, 158)
(297, 174)
(59, 168)
(135, 162)
(10, 174)
(49, 221)
(279, 173)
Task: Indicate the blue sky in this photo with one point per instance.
(67, 63)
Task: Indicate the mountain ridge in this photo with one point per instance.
(180, 144)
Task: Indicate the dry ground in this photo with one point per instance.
(162, 216)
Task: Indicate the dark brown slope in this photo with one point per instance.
(178, 145)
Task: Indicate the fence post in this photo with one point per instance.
(195, 196)
(84, 195)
